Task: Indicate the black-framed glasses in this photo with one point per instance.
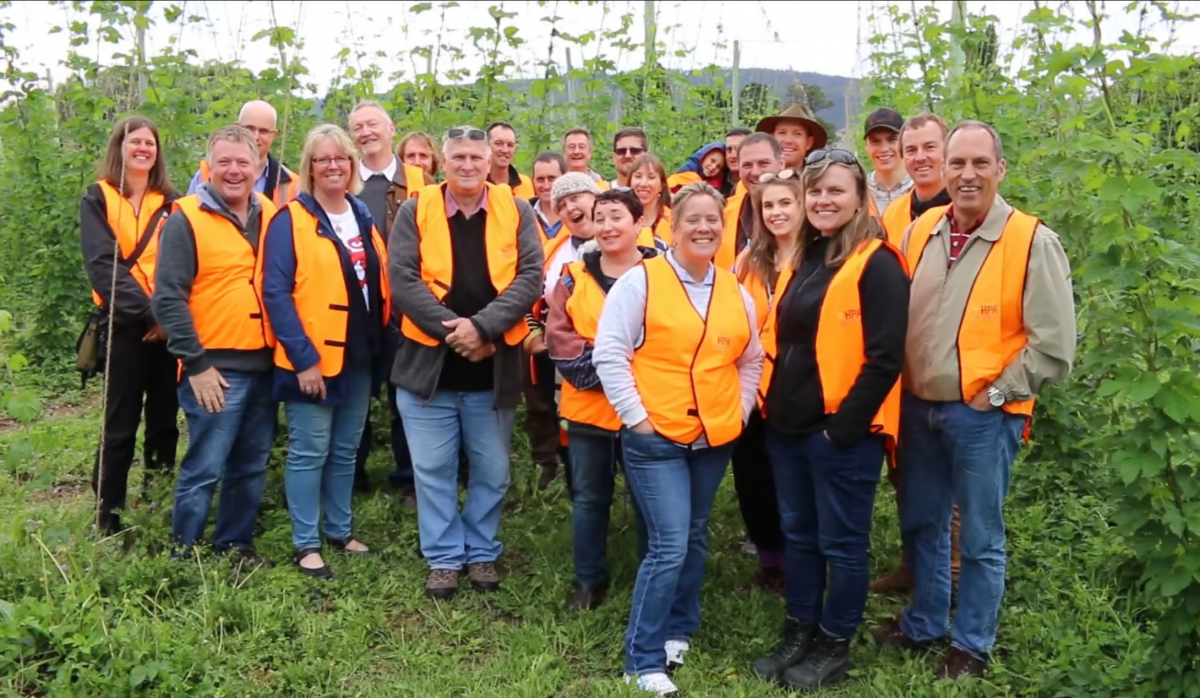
(838, 155)
(628, 151)
(785, 174)
(470, 133)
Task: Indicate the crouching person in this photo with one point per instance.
(207, 305)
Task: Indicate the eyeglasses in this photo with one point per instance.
(789, 173)
(628, 151)
(838, 155)
(469, 133)
(338, 160)
(259, 131)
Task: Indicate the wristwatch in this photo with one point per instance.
(995, 397)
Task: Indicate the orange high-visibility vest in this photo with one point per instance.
(685, 368)
(225, 305)
(584, 306)
(285, 192)
(992, 330)
(681, 179)
(727, 253)
(840, 347)
(129, 228)
(897, 217)
(661, 230)
(757, 289)
(437, 260)
(554, 244)
(320, 294)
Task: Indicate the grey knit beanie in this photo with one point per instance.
(571, 183)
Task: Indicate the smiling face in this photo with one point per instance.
(331, 169)
(832, 200)
(627, 149)
(259, 119)
(578, 150)
(234, 168)
(504, 145)
(141, 151)
(417, 152)
(781, 209)
(466, 166)
(372, 131)
(712, 163)
(883, 146)
(616, 230)
(755, 160)
(575, 211)
(924, 155)
(973, 172)
(697, 230)
(544, 174)
(646, 185)
(794, 140)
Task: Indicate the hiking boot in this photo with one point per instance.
(587, 598)
(898, 582)
(798, 641)
(827, 664)
(484, 576)
(890, 634)
(658, 683)
(675, 649)
(549, 472)
(442, 584)
(960, 663)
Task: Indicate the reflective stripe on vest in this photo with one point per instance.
(129, 227)
(320, 294)
(897, 217)
(583, 307)
(991, 333)
(727, 253)
(437, 260)
(285, 192)
(225, 305)
(685, 368)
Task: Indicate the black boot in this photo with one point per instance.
(798, 641)
(827, 664)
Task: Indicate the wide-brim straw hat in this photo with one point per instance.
(801, 113)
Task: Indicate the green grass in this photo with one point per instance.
(81, 616)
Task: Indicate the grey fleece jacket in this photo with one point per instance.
(174, 275)
(417, 367)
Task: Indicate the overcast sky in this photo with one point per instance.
(824, 37)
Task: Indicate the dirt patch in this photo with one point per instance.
(58, 494)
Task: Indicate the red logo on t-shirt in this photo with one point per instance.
(358, 257)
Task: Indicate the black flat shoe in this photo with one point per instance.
(321, 572)
(339, 544)
(587, 598)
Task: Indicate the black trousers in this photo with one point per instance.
(755, 487)
(541, 414)
(141, 377)
(403, 474)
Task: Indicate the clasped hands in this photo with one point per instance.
(464, 339)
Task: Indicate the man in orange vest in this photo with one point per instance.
(758, 154)
(276, 182)
(888, 178)
(466, 267)
(733, 141)
(991, 324)
(502, 139)
(206, 302)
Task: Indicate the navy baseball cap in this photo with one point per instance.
(883, 118)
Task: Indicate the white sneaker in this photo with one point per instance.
(658, 684)
(675, 651)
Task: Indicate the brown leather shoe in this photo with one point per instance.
(898, 582)
(442, 584)
(889, 634)
(960, 663)
(484, 576)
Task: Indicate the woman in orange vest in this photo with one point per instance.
(648, 180)
(593, 426)
(125, 208)
(835, 345)
(778, 212)
(325, 292)
(678, 356)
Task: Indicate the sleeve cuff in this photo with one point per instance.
(196, 366)
(1011, 392)
(483, 334)
(634, 417)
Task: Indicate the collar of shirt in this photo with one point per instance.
(954, 230)
(710, 274)
(452, 206)
(902, 185)
(388, 172)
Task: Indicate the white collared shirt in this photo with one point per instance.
(389, 172)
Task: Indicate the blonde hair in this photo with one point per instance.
(861, 227)
(345, 144)
(232, 134)
(430, 143)
(692, 191)
(760, 253)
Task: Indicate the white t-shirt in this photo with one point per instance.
(346, 227)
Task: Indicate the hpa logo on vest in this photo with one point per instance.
(724, 342)
(852, 315)
(989, 310)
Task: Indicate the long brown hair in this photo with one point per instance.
(764, 245)
(110, 167)
(664, 195)
(859, 229)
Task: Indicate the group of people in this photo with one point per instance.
(782, 310)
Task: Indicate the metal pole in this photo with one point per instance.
(650, 34)
(958, 59)
(737, 87)
(141, 48)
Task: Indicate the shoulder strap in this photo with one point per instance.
(151, 227)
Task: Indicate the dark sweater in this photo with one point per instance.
(374, 194)
(917, 207)
(795, 400)
(470, 292)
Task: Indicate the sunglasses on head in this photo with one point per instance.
(842, 157)
(469, 133)
(785, 174)
(628, 151)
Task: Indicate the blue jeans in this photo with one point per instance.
(674, 487)
(230, 447)
(322, 447)
(592, 459)
(450, 539)
(952, 453)
(826, 497)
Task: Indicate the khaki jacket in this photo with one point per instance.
(938, 298)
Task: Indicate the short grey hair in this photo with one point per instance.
(232, 134)
(258, 103)
(447, 141)
(368, 103)
(981, 125)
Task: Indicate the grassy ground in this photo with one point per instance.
(86, 617)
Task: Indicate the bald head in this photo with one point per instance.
(259, 118)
